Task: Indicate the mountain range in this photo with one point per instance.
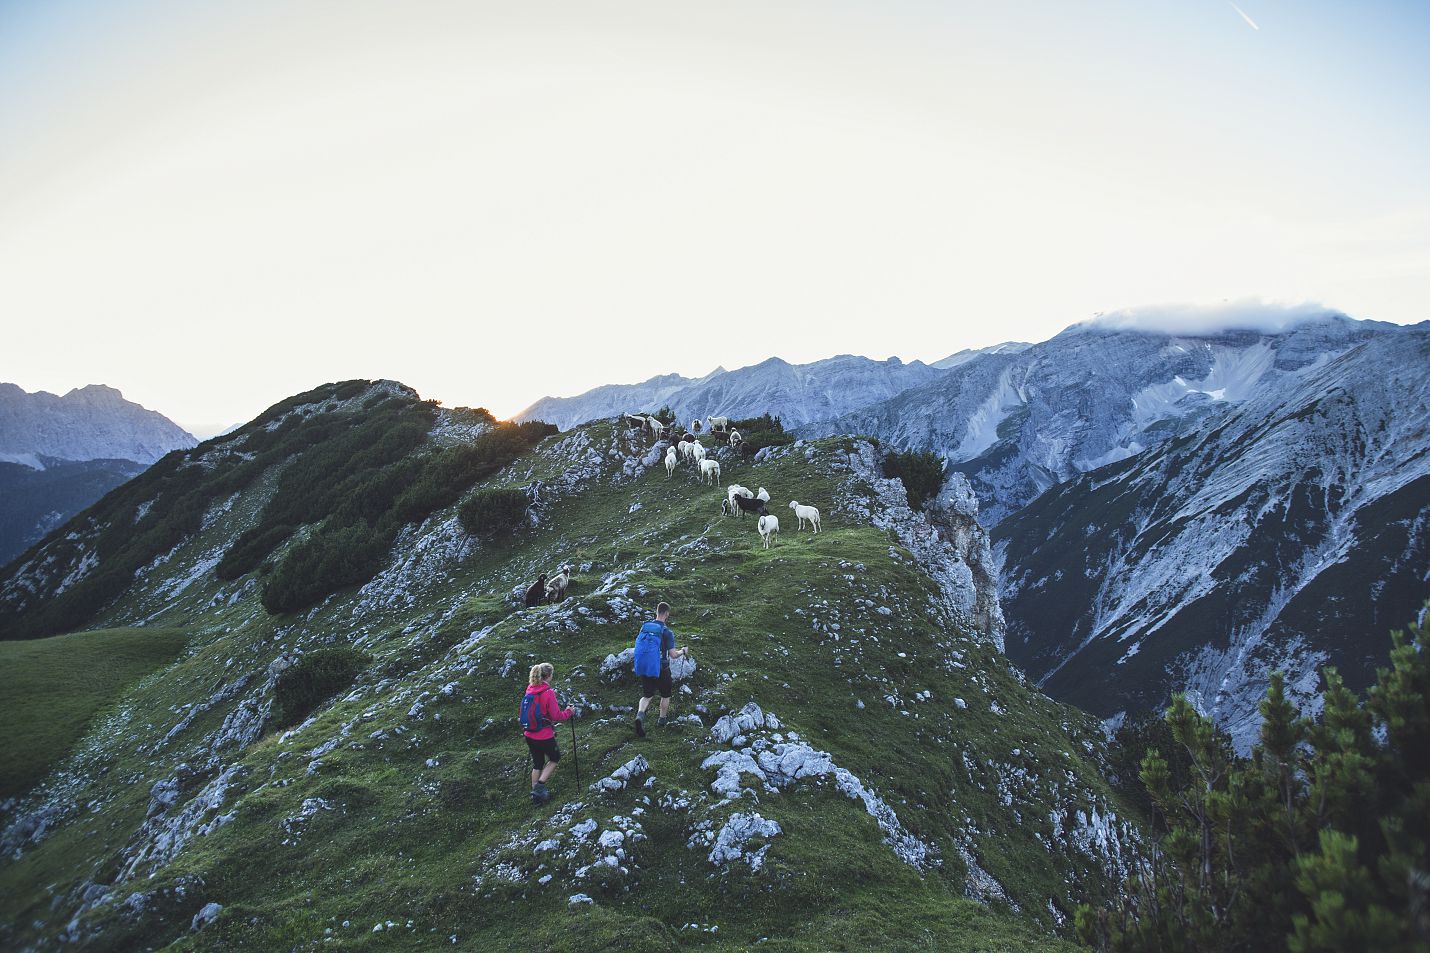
(1019, 421)
(59, 454)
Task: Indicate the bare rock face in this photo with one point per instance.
(88, 423)
(954, 514)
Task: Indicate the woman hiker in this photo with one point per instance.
(539, 709)
(655, 647)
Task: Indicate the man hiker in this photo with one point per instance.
(655, 647)
(539, 710)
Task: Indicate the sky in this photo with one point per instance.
(214, 206)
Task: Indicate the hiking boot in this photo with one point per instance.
(640, 727)
(539, 795)
(665, 722)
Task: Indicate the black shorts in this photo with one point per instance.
(542, 751)
(650, 684)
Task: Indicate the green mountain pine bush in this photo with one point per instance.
(921, 471)
(312, 680)
(1319, 841)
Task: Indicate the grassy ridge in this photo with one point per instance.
(51, 689)
(416, 810)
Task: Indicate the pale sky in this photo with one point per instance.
(214, 206)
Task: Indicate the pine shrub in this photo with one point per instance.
(312, 680)
(1320, 840)
(493, 513)
(920, 471)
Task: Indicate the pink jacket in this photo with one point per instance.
(550, 711)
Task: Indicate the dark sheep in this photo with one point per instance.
(748, 505)
(536, 592)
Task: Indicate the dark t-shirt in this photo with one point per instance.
(667, 642)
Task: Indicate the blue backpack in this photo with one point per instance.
(531, 717)
(648, 646)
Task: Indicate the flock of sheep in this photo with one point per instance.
(739, 500)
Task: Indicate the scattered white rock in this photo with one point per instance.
(207, 914)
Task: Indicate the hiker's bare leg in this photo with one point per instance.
(546, 771)
(535, 777)
(664, 707)
(644, 704)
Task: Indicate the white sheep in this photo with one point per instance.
(736, 440)
(657, 429)
(768, 527)
(556, 585)
(670, 463)
(735, 490)
(717, 423)
(697, 452)
(763, 496)
(803, 513)
(710, 469)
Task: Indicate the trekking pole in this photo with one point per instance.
(576, 753)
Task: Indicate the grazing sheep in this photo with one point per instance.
(710, 469)
(768, 527)
(747, 504)
(670, 463)
(735, 490)
(697, 452)
(803, 513)
(764, 494)
(535, 591)
(717, 423)
(736, 440)
(556, 585)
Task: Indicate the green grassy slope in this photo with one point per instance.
(50, 690)
(403, 803)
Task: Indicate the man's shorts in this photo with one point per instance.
(542, 751)
(650, 684)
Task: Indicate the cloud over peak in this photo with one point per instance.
(1244, 314)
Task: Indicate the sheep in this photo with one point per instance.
(695, 425)
(764, 494)
(697, 452)
(736, 440)
(556, 585)
(803, 513)
(657, 429)
(717, 423)
(710, 469)
(747, 504)
(735, 490)
(635, 421)
(535, 591)
(768, 527)
(670, 463)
